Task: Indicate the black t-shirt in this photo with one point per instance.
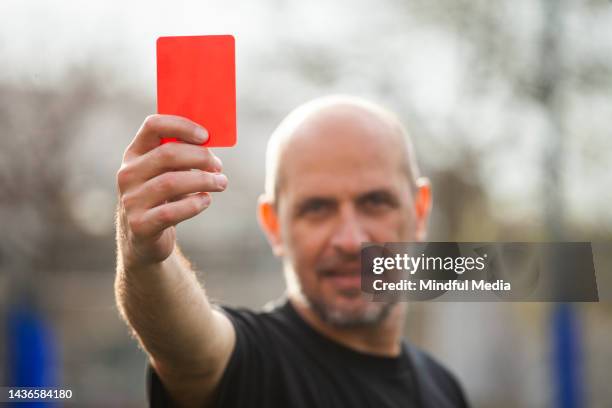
(280, 361)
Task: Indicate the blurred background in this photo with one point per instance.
(509, 104)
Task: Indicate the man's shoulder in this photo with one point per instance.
(424, 360)
(271, 310)
(257, 321)
(435, 380)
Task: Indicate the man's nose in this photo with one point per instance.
(349, 233)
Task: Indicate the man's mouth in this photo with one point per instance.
(343, 278)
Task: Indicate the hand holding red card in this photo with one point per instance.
(196, 79)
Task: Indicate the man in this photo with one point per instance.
(340, 171)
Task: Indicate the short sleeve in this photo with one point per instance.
(249, 370)
(437, 385)
(157, 396)
(246, 376)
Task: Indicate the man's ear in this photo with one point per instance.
(422, 206)
(268, 220)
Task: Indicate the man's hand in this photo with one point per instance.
(158, 188)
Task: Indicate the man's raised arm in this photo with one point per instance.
(188, 342)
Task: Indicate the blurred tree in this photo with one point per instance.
(37, 131)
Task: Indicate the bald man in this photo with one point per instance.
(339, 171)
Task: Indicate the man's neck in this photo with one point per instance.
(382, 339)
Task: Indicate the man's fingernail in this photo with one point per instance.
(201, 135)
(218, 163)
(205, 199)
(221, 180)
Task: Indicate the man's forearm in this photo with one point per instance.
(167, 309)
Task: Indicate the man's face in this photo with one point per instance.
(343, 183)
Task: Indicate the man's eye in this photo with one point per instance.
(378, 201)
(315, 208)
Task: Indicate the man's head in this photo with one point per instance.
(339, 171)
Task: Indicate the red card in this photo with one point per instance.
(196, 78)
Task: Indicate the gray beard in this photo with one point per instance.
(344, 320)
